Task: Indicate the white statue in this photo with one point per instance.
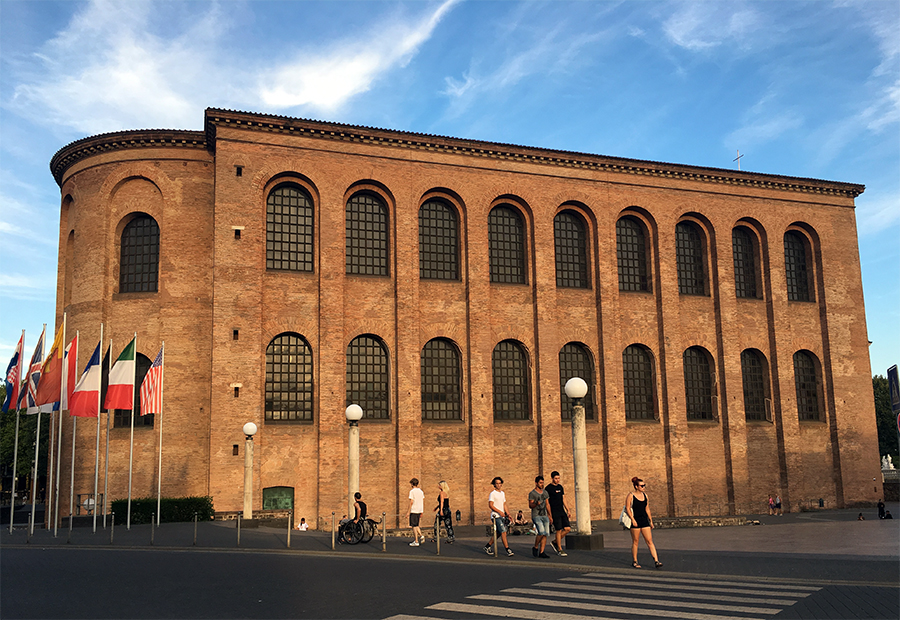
(887, 462)
(890, 464)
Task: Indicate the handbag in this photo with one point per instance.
(624, 519)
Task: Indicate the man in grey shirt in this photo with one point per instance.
(540, 515)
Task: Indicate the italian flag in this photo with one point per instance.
(120, 394)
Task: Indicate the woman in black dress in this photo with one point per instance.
(637, 504)
(443, 511)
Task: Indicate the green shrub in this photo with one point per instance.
(173, 509)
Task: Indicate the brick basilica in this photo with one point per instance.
(450, 287)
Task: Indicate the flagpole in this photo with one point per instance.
(64, 375)
(97, 450)
(72, 478)
(48, 512)
(106, 461)
(162, 377)
(131, 449)
(12, 497)
(37, 446)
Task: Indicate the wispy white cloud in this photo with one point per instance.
(699, 26)
(327, 79)
(122, 65)
(876, 212)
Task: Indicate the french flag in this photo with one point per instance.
(85, 399)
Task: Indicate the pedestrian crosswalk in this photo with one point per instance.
(615, 596)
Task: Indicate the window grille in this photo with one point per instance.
(367, 236)
(640, 386)
(745, 263)
(438, 242)
(367, 377)
(698, 385)
(511, 391)
(289, 380)
(122, 417)
(441, 381)
(506, 240)
(689, 257)
(756, 385)
(575, 361)
(631, 252)
(807, 385)
(571, 250)
(139, 258)
(795, 268)
(289, 229)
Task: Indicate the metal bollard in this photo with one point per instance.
(290, 521)
(152, 527)
(437, 533)
(112, 526)
(332, 530)
(195, 529)
(383, 534)
(239, 530)
(496, 542)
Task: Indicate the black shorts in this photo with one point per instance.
(560, 520)
(414, 519)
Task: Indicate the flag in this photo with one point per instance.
(29, 390)
(85, 399)
(151, 387)
(51, 373)
(120, 393)
(13, 372)
(70, 374)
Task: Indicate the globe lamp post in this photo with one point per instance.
(249, 431)
(354, 414)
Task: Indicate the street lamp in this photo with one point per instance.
(354, 414)
(576, 389)
(249, 431)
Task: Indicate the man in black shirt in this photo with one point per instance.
(560, 511)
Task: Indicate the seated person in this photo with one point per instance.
(303, 525)
(360, 507)
(520, 519)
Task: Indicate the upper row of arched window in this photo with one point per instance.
(290, 243)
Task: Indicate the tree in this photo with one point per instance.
(27, 426)
(888, 442)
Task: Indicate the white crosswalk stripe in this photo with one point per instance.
(612, 596)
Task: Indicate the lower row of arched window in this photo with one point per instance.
(289, 381)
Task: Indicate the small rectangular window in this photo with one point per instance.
(238, 171)
(234, 450)
(235, 334)
(237, 392)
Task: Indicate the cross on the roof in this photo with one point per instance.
(738, 159)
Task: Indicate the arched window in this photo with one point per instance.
(795, 266)
(122, 417)
(575, 361)
(806, 380)
(506, 240)
(289, 380)
(698, 385)
(367, 377)
(746, 270)
(289, 229)
(571, 250)
(511, 392)
(690, 260)
(139, 262)
(438, 242)
(631, 252)
(441, 381)
(367, 236)
(639, 382)
(756, 385)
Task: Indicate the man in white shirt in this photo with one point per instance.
(497, 504)
(415, 510)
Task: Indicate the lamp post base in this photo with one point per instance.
(584, 542)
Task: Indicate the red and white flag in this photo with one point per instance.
(151, 387)
(85, 399)
(120, 393)
(70, 372)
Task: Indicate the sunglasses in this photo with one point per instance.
(642, 485)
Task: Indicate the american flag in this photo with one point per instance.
(151, 387)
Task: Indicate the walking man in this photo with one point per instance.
(559, 509)
(415, 510)
(499, 516)
(537, 501)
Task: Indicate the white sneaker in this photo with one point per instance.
(414, 543)
(422, 539)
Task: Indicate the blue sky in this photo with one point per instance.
(807, 89)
